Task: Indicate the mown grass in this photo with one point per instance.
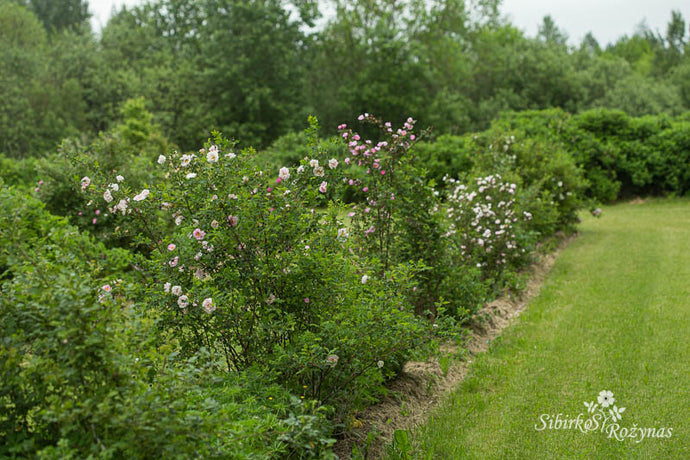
(614, 314)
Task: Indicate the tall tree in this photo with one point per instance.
(590, 45)
(549, 32)
(675, 32)
(61, 14)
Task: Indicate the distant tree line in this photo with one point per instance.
(254, 69)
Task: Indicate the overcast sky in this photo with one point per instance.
(607, 19)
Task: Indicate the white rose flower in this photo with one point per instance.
(208, 305)
(183, 301)
(212, 155)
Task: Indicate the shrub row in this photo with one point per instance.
(258, 310)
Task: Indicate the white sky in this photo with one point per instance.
(101, 10)
(606, 19)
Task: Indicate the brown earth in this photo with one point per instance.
(417, 391)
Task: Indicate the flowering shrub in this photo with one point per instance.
(485, 224)
(250, 265)
(127, 149)
(84, 373)
(397, 220)
(550, 183)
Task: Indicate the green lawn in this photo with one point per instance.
(613, 314)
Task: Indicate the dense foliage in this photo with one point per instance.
(255, 69)
(166, 291)
(251, 288)
(620, 156)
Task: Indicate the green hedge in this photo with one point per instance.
(620, 156)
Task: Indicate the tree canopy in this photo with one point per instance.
(255, 69)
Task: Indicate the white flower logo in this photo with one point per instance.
(606, 398)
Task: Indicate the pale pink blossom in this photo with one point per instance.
(171, 247)
(176, 290)
(332, 163)
(183, 301)
(323, 186)
(233, 220)
(85, 182)
(284, 173)
(199, 234)
(141, 196)
(208, 305)
(106, 288)
(161, 159)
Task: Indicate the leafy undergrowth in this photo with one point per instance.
(611, 317)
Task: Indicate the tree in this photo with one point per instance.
(590, 45)
(636, 50)
(22, 53)
(550, 33)
(252, 68)
(675, 32)
(61, 14)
